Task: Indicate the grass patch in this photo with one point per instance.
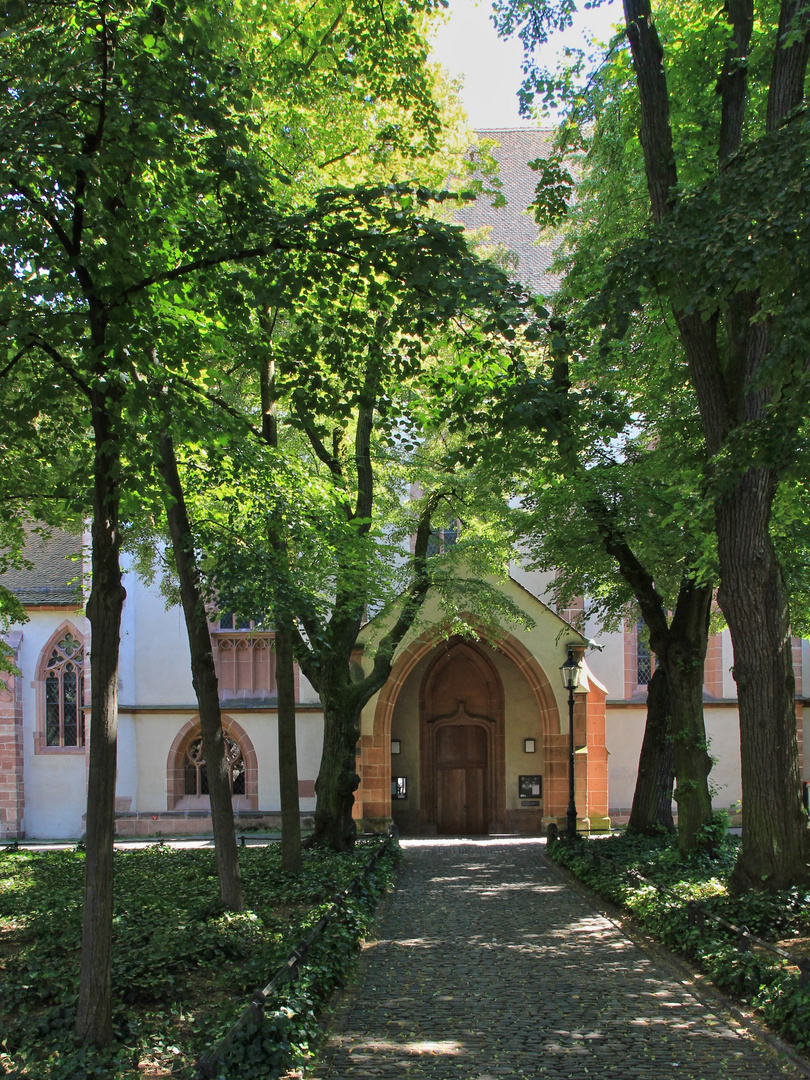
(757, 977)
(183, 969)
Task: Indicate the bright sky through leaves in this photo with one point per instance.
(469, 48)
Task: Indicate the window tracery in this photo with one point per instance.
(196, 773)
(64, 693)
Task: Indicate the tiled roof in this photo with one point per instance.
(55, 574)
(511, 226)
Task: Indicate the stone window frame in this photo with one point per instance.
(40, 733)
(176, 798)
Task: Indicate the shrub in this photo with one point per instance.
(183, 969)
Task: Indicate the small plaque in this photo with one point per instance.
(396, 746)
(530, 787)
(529, 746)
(399, 787)
(529, 802)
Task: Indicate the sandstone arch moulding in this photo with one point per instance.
(376, 747)
(175, 765)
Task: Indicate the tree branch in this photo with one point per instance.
(215, 399)
(46, 215)
(362, 456)
(12, 362)
(197, 264)
(68, 368)
(734, 78)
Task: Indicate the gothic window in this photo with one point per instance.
(441, 539)
(196, 774)
(229, 621)
(64, 693)
(644, 659)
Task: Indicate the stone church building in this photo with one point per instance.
(468, 736)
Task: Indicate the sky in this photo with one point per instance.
(468, 47)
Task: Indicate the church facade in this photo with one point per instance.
(470, 734)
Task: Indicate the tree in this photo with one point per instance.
(131, 161)
(344, 357)
(204, 679)
(606, 503)
(727, 252)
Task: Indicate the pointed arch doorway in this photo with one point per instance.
(462, 742)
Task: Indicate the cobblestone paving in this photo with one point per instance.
(491, 967)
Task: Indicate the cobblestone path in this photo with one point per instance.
(491, 967)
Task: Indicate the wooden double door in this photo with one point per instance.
(462, 779)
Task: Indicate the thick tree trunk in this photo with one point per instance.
(680, 647)
(94, 1014)
(337, 777)
(652, 799)
(287, 749)
(204, 680)
(776, 841)
(684, 661)
(732, 393)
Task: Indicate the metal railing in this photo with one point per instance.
(287, 972)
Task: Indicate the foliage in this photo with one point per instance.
(182, 968)
(758, 977)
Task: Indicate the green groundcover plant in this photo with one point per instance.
(183, 968)
(756, 977)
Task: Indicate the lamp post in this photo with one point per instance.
(570, 672)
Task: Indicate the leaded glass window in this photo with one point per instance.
(644, 660)
(196, 773)
(64, 693)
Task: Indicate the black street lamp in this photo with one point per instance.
(570, 672)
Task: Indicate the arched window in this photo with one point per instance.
(64, 692)
(195, 772)
(644, 657)
(187, 775)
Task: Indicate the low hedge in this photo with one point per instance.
(757, 978)
(183, 969)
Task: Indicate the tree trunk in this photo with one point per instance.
(94, 1014)
(337, 777)
(731, 392)
(284, 625)
(652, 799)
(684, 661)
(776, 841)
(287, 749)
(680, 647)
(204, 679)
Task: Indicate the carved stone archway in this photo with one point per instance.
(373, 800)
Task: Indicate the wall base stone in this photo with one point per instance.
(196, 823)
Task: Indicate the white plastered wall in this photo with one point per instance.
(55, 783)
(154, 734)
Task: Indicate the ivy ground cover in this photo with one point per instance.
(755, 977)
(183, 969)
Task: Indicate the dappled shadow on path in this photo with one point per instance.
(489, 966)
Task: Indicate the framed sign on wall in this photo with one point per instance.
(530, 787)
